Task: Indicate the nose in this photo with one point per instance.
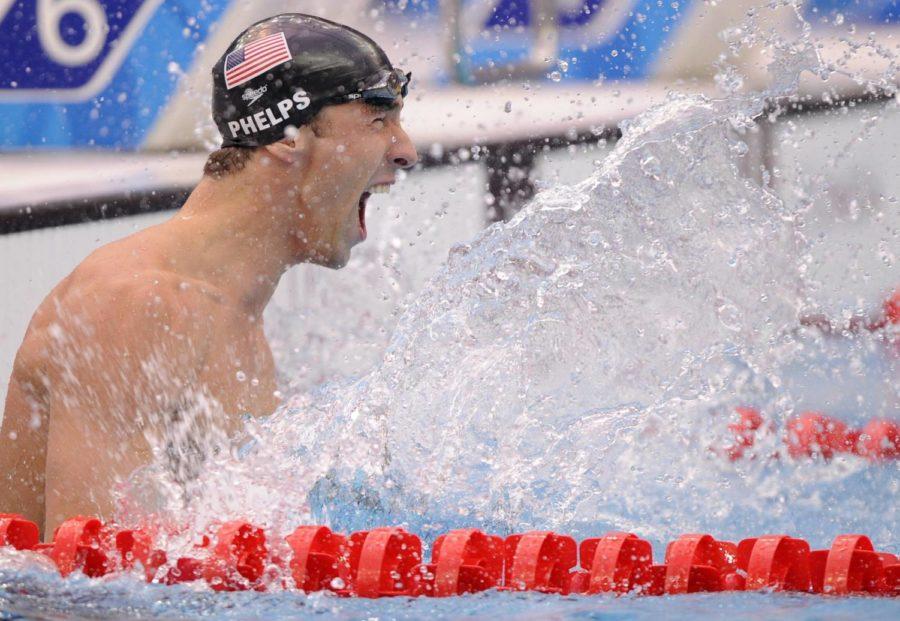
(402, 153)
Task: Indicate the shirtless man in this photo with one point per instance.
(153, 347)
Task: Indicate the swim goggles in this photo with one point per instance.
(389, 85)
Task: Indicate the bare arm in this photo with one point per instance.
(23, 447)
(133, 374)
(131, 371)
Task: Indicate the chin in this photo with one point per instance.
(325, 256)
(337, 264)
(337, 260)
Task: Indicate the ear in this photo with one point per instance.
(294, 149)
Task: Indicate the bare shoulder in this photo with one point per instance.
(109, 303)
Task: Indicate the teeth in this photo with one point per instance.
(380, 188)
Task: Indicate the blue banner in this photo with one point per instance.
(838, 12)
(93, 73)
(99, 73)
(597, 39)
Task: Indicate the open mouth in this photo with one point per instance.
(378, 188)
(362, 214)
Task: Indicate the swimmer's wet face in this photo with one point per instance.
(354, 150)
(318, 182)
(321, 102)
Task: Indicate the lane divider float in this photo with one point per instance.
(814, 435)
(388, 562)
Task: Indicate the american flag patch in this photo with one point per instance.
(255, 58)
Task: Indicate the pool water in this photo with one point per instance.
(40, 597)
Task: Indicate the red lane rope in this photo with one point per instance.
(814, 435)
(387, 562)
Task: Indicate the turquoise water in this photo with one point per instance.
(123, 599)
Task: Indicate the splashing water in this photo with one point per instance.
(570, 369)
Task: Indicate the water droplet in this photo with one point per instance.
(240, 376)
(651, 167)
(507, 107)
(337, 584)
(739, 148)
(556, 76)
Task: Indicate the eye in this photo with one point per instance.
(379, 119)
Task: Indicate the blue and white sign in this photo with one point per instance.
(88, 73)
(66, 50)
(100, 73)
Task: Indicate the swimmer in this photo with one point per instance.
(153, 347)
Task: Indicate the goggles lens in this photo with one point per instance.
(394, 84)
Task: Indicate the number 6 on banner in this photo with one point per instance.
(49, 17)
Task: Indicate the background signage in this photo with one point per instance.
(90, 73)
(99, 73)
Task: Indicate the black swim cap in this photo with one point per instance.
(281, 71)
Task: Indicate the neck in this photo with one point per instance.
(225, 235)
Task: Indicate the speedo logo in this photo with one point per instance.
(252, 95)
(269, 117)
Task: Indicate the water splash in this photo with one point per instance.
(571, 368)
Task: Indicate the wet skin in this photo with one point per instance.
(153, 347)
